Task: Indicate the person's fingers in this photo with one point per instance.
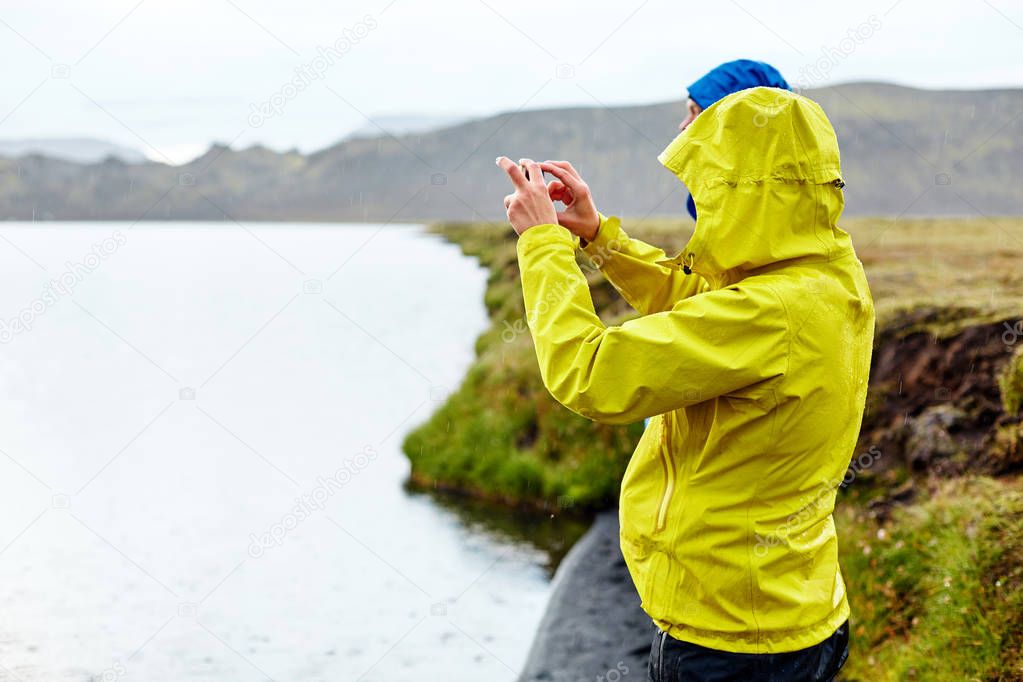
(573, 182)
(563, 166)
(508, 200)
(513, 171)
(566, 165)
(535, 172)
(558, 192)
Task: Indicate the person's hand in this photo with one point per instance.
(580, 214)
(529, 205)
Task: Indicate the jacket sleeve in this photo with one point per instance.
(632, 268)
(704, 347)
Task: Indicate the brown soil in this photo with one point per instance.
(935, 400)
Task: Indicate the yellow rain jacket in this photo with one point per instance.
(753, 352)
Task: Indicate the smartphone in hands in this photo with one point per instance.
(525, 171)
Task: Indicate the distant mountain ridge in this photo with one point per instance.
(904, 151)
(400, 124)
(77, 149)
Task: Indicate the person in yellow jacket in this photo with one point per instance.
(751, 353)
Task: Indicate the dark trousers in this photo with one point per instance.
(672, 660)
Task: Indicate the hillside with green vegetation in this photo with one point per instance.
(931, 532)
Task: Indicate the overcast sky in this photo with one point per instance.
(171, 77)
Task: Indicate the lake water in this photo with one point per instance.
(200, 465)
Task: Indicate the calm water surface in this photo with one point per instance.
(200, 459)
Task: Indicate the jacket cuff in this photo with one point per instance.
(544, 235)
(609, 238)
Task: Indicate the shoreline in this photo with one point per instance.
(593, 627)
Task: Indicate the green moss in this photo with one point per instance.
(1011, 383)
(501, 436)
(937, 590)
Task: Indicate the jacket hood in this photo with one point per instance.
(763, 168)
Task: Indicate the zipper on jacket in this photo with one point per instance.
(669, 474)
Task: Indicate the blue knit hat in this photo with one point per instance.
(731, 77)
